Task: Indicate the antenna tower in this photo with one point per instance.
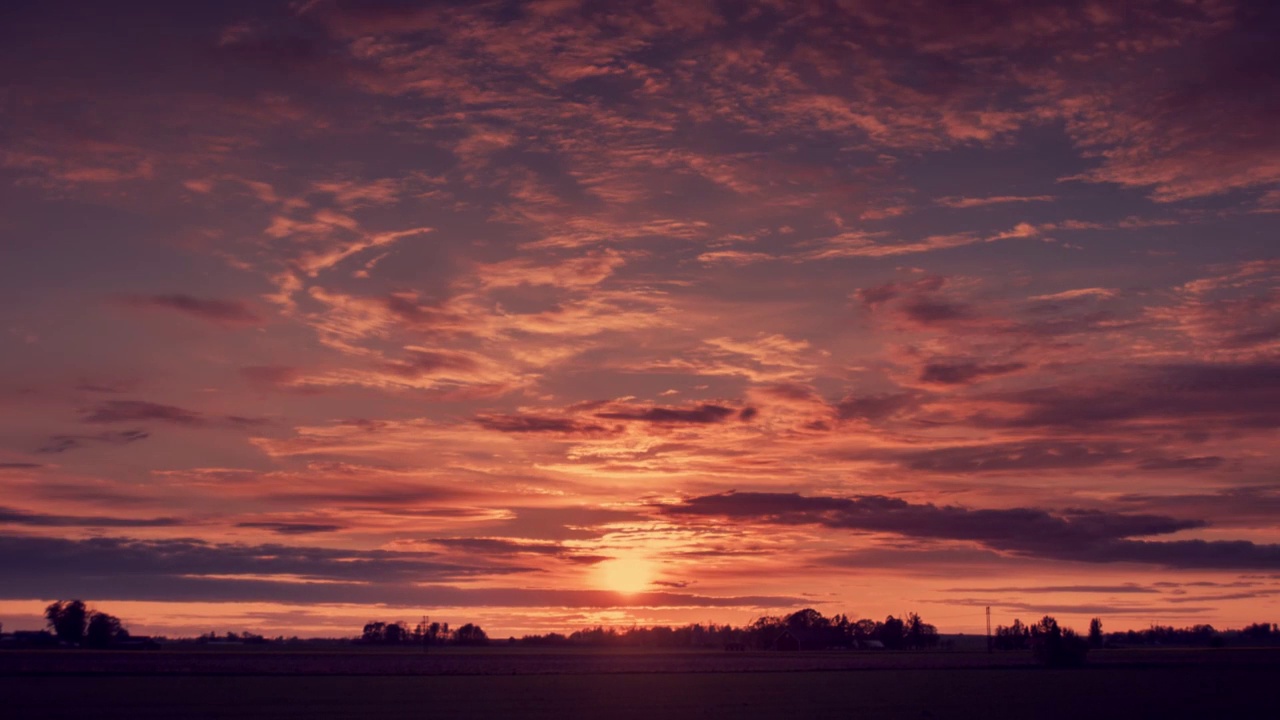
(988, 628)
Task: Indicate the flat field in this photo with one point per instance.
(569, 684)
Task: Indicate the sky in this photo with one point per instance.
(544, 315)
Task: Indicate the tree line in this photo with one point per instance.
(808, 627)
(1021, 637)
(1204, 634)
(73, 624)
(1048, 641)
(376, 632)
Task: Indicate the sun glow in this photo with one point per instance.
(627, 574)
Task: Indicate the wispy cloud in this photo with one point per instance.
(218, 311)
(970, 202)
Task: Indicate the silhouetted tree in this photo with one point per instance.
(1261, 632)
(549, 640)
(807, 619)
(891, 632)
(1015, 637)
(395, 633)
(103, 630)
(842, 630)
(470, 634)
(1095, 633)
(1056, 646)
(815, 631)
(67, 620)
(764, 630)
(373, 631)
(920, 634)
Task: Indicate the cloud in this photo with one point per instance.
(1242, 395)
(280, 378)
(1019, 455)
(859, 244)
(114, 411)
(701, 414)
(538, 424)
(292, 528)
(127, 557)
(506, 547)
(1234, 312)
(13, 516)
(875, 407)
(1076, 294)
(195, 571)
(931, 312)
(63, 443)
(970, 202)
(1095, 609)
(271, 375)
(582, 272)
(452, 373)
(1200, 133)
(1247, 507)
(734, 257)
(231, 312)
(965, 372)
(878, 294)
(559, 524)
(1202, 462)
(118, 411)
(1074, 535)
(1111, 589)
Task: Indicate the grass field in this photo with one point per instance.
(1191, 684)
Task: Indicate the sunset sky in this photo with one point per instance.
(543, 315)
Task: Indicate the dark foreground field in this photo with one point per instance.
(1174, 684)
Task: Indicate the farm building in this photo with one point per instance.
(794, 639)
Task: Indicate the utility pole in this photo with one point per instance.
(988, 628)
(426, 634)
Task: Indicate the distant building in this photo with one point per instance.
(787, 641)
(137, 642)
(26, 639)
(795, 639)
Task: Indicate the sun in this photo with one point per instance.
(627, 574)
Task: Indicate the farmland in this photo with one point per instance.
(637, 684)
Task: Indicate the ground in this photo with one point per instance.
(566, 684)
